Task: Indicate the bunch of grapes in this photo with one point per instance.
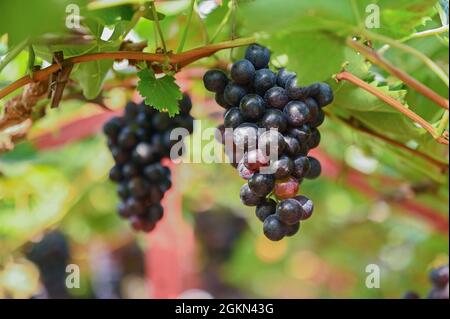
(282, 116)
(138, 141)
(439, 279)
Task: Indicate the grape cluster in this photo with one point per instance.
(439, 280)
(138, 141)
(282, 116)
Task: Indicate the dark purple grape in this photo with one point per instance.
(154, 194)
(144, 153)
(123, 191)
(258, 55)
(276, 97)
(293, 229)
(264, 80)
(324, 95)
(234, 93)
(315, 168)
(245, 136)
(261, 184)
(282, 167)
(138, 187)
(302, 133)
(155, 213)
(301, 167)
(113, 126)
(154, 173)
(127, 139)
(273, 228)
(297, 113)
(294, 91)
(248, 197)
(242, 72)
(252, 107)
(265, 209)
(185, 104)
(292, 146)
(215, 80)
(135, 207)
(123, 210)
(283, 76)
(161, 121)
(274, 119)
(233, 118)
(115, 174)
(131, 111)
(314, 140)
(130, 170)
(318, 120)
(289, 211)
(439, 276)
(220, 99)
(313, 108)
(271, 143)
(120, 155)
(307, 205)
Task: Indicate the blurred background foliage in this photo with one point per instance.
(57, 204)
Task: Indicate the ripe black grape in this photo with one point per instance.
(215, 80)
(242, 72)
(274, 122)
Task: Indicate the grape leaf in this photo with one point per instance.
(162, 93)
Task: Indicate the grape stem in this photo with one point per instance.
(380, 61)
(179, 60)
(347, 76)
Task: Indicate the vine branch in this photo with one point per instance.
(392, 102)
(180, 60)
(377, 59)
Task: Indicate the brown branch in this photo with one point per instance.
(178, 60)
(357, 125)
(378, 60)
(392, 102)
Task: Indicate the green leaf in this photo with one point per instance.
(162, 94)
(110, 15)
(91, 75)
(149, 13)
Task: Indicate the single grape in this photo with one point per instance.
(252, 107)
(120, 155)
(274, 119)
(155, 213)
(271, 143)
(123, 191)
(131, 111)
(185, 104)
(314, 140)
(439, 276)
(294, 91)
(265, 209)
(220, 99)
(234, 93)
(261, 184)
(307, 205)
(264, 80)
(154, 173)
(115, 174)
(258, 55)
(138, 187)
(302, 133)
(286, 188)
(123, 210)
(324, 96)
(255, 159)
(293, 229)
(313, 108)
(242, 72)
(127, 139)
(292, 146)
(161, 121)
(215, 80)
(273, 228)
(276, 97)
(245, 136)
(243, 171)
(318, 120)
(301, 167)
(113, 126)
(248, 197)
(315, 168)
(289, 211)
(135, 206)
(154, 194)
(233, 118)
(144, 153)
(282, 167)
(283, 76)
(297, 113)
(130, 170)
